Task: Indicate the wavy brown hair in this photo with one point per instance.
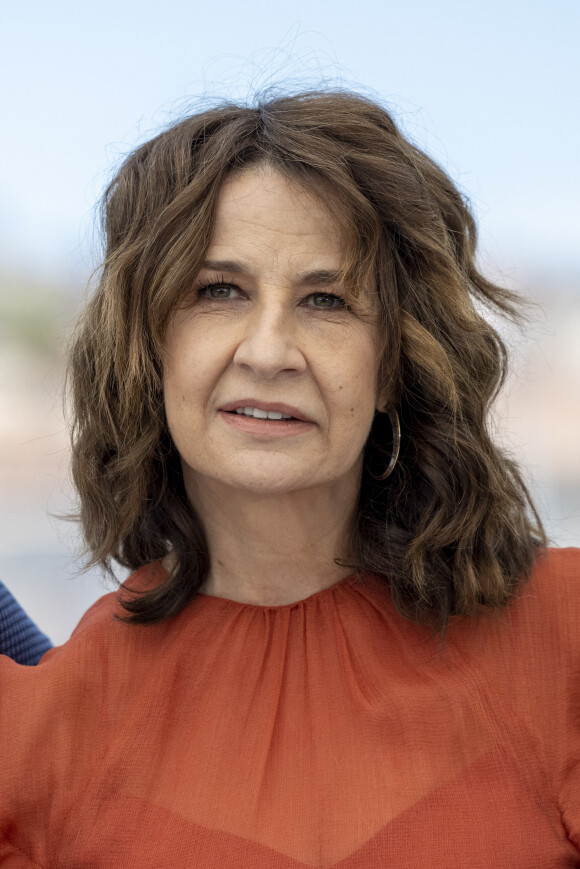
(453, 528)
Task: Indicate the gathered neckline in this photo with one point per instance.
(345, 581)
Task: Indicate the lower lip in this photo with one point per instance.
(272, 428)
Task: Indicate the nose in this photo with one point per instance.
(269, 346)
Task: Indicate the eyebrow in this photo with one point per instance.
(317, 277)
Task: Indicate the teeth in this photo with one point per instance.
(262, 414)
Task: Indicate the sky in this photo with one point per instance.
(491, 90)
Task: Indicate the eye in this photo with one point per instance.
(219, 291)
(325, 300)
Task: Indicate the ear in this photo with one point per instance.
(382, 403)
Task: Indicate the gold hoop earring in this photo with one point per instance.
(396, 429)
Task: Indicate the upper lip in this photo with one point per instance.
(276, 406)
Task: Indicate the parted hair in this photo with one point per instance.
(452, 529)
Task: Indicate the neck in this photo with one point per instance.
(274, 549)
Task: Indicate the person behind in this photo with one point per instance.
(344, 642)
(20, 638)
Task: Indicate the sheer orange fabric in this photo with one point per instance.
(326, 733)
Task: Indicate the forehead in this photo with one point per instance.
(262, 211)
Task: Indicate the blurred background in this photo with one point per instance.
(489, 90)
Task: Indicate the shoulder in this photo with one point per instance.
(102, 637)
(559, 567)
(108, 609)
(74, 683)
(552, 594)
(538, 629)
(555, 599)
(98, 640)
(537, 636)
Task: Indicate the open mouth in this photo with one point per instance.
(269, 423)
(256, 413)
(257, 416)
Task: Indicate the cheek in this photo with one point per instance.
(353, 394)
(194, 361)
(182, 382)
(185, 400)
(359, 380)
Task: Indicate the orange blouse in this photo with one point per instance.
(330, 732)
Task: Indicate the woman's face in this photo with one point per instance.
(265, 329)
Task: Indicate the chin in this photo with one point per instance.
(270, 475)
(260, 483)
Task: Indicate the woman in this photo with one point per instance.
(344, 643)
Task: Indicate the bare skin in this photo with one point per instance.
(274, 550)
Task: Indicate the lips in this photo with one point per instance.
(276, 406)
